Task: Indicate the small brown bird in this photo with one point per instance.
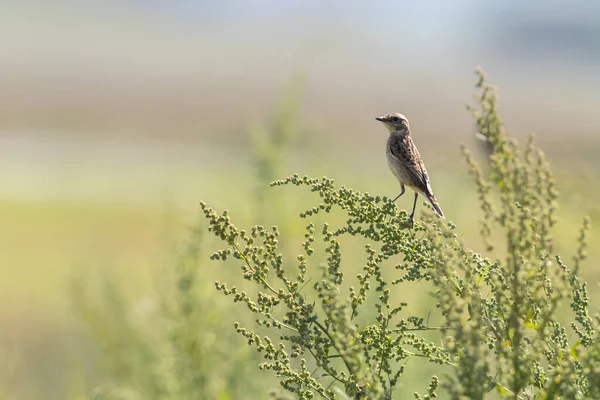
(405, 162)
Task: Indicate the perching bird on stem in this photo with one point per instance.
(405, 162)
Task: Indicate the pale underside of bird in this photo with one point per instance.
(405, 162)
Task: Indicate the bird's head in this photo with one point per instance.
(395, 122)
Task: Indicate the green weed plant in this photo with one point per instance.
(513, 323)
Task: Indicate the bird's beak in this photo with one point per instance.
(380, 119)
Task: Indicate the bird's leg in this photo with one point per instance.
(402, 190)
(412, 214)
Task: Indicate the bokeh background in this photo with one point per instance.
(118, 117)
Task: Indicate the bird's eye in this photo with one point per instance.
(395, 119)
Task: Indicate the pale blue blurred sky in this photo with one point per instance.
(186, 67)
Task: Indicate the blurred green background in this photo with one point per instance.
(118, 117)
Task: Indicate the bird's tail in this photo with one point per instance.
(435, 205)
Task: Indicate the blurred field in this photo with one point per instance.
(117, 119)
(125, 220)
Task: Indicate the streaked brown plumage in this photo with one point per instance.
(405, 162)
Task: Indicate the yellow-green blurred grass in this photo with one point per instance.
(43, 240)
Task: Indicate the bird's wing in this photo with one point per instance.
(425, 176)
(405, 151)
